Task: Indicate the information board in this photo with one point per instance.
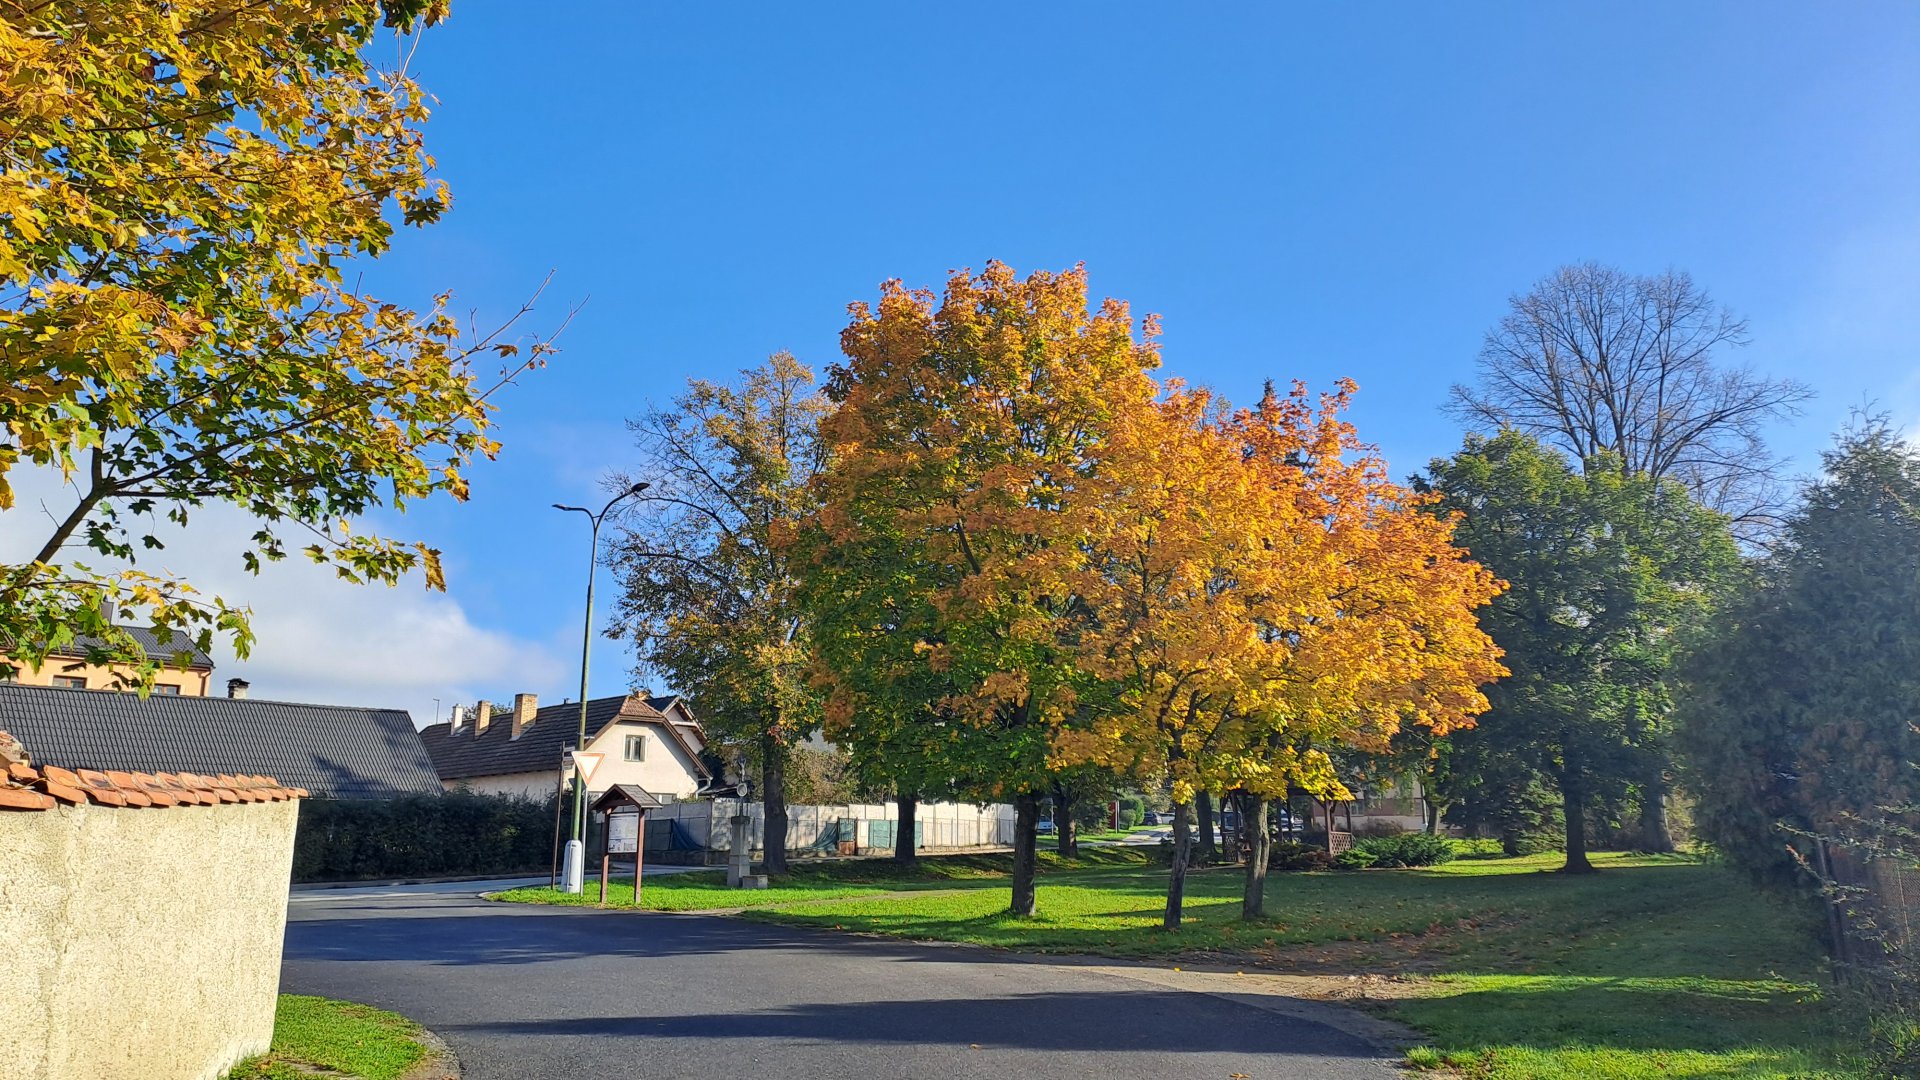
(623, 832)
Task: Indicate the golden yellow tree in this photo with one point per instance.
(942, 565)
(184, 187)
(1258, 586)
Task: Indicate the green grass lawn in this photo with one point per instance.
(356, 1041)
(1112, 834)
(1654, 967)
(812, 881)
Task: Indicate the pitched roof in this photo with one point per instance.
(330, 750)
(460, 754)
(626, 795)
(148, 639)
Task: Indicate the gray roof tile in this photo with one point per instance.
(148, 638)
(462, 754)
(332, 751)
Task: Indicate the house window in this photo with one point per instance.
(70, 682)
(636, 748)
(167, 688)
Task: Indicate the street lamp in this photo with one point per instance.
(576, 845)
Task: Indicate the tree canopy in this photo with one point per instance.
(708, 587)
(183, 189)
(1601, 363)
(1031, 558)
(1609, 572)
(1802, 709)
(941, 561)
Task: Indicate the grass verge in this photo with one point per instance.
(353, 1040)
(707, 890)
(1657, 966)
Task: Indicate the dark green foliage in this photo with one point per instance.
(1407, 849)
(1133, 810)
(421, 836)
(1610, 572)
(1355, 858)
(1801, 711)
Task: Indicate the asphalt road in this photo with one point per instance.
(532, 993)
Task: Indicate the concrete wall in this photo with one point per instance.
(141, 944)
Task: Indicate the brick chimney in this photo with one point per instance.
(236, 688)
(482, 716)
(524, 706)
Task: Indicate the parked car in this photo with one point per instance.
(1044, 826)
(1153, 817)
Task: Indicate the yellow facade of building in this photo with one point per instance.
(79, 675)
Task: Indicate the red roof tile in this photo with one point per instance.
(23, 787)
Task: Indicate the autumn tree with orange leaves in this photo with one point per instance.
(1258, 587)
(1031, 557)
(943, 564)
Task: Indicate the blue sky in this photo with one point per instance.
(1300, 192)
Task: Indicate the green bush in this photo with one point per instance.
(1133, 810)
(421, 836)
(1355, 858)
(1407, 849)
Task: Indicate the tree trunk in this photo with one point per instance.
(1655, 832)
(773, 798)
(1066, 836)
(1327, 809)
(1204, 802)
(1573, 805)
(1177, 874)
(1253, 818)
(904, 851)
(1026, 814)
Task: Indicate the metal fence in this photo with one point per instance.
(853, 828)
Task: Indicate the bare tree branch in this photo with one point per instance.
(1593, 360)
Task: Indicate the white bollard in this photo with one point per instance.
(574, 868)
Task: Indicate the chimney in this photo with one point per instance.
(236, 688)
(109, 610)
(482, 716)
(523, 710)
(455, 718)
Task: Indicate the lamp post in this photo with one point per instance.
(576, 845)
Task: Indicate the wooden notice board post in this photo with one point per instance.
(624, 818)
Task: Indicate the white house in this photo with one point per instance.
(653, 743)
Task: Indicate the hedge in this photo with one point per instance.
(421, 836)
(1406, 849)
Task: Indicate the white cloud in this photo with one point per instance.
(319, 639)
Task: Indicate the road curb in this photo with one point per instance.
(441, 1063)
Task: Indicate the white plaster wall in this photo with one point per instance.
(141, 944)
(667, 771)
(537, 786)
